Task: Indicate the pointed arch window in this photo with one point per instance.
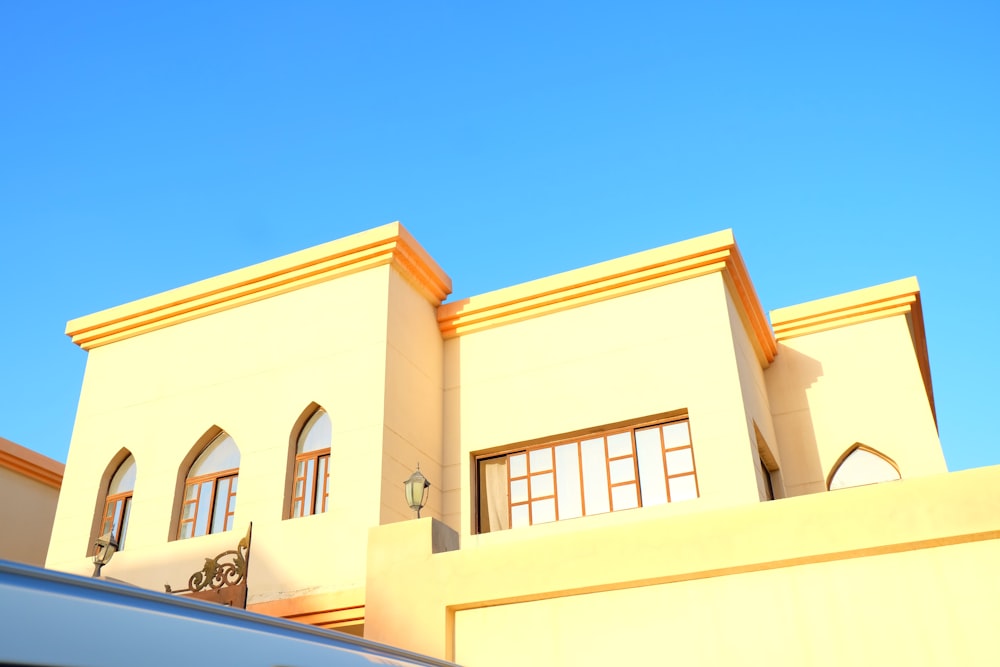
(209, 504)
(860, 466)
(118, 502)
(311, 481)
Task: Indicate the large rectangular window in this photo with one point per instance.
(604, 472)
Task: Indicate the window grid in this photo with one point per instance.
(194, 504)
(229, 483)
(116, 511)
(530, 475)
(311, 491)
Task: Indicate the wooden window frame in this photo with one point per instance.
(117, 508)
(578, 440)
(230, 476)
(318, 491)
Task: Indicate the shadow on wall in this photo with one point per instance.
(793, 373)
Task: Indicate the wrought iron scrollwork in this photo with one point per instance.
(227, 569)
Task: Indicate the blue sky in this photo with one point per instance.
(144, 146)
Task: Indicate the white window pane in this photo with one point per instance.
(518, 516)
(682, 488)
(652, 482)
(221, 502)
(568, 481)
(624, 497)
(542, 485)
(647, 437)
(541, 459)
(201, 521)
(519, 491)
(680, 461)
(676, 435)
(518, 465)
(622, 470)
(124, 479)
(619, 444)
(222, 454)
(595, 477)
(124, 527)
(317, 434)
(543, 511)
(114, 511)
(862, 467)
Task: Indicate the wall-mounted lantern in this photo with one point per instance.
(416, 491)
(105, 548)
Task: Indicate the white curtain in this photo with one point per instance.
(497, 494)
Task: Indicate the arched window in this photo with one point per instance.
(311, 481)
(862, 465)
(210, 490)
(118, 502)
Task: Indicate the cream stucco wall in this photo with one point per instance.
(858, 576)
(843, 612)
(413, 401)
(250, 371)
(756, 402)
(668, 349)
(27, 508)
(357, 327)
(857, 383)
(29, 491)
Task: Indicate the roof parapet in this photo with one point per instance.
(388, 244)
(641, 271)
(31, 464)
(900, 297)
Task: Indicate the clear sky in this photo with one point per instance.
(144, 146)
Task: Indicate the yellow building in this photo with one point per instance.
(603, 445)
(29, 489)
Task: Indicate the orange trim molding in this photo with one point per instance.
(31, 464)
(389, 244)
(323, 610)
(634, 273)
(871, 303)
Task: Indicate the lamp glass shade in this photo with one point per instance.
(416, 490)
(106, 548)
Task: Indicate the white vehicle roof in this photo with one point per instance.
(63, 620)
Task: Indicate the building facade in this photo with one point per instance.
(626, 459)
(29, 490)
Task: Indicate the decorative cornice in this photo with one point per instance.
(388, 244)
(626, 275)
(900, 297)
(871, 303)
(324, 610)
(31, 464)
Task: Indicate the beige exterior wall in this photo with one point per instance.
(348, 345)
(29, 490)
(872, 575)
(856, 383)
(663, 350)
(357, 327)
(250, 371)
(413, 401)
(761, 438)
